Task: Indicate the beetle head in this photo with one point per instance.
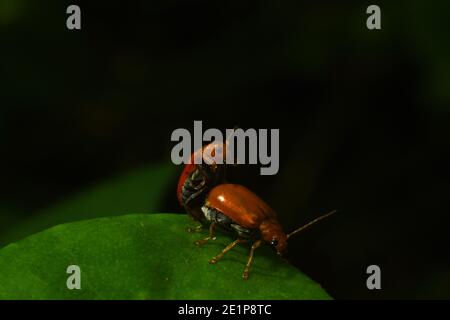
(272, 233)
(279, 242)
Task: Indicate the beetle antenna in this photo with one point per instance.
(311, 223)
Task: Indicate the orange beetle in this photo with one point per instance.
(196, 180)
(235, 208)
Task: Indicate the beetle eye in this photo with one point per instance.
(274, 242)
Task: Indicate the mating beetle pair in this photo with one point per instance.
(208, 199)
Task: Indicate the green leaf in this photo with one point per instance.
(143, 256)
(139, 191)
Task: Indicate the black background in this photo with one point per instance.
(363, 117)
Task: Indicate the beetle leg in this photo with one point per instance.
(250, 259)
(199, 186)
(193, 196)
(195, 229)
(212, 229)
(228, 248)
(202, 172)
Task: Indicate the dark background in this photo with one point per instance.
(363, 117)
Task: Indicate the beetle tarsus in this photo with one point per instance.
(212, 229)
(255, 246)
(228, 248)
(195, 229)
(203, 241)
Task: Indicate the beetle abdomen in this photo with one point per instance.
(214, 216)
(189, 188)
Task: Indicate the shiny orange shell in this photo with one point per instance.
(240, 204)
